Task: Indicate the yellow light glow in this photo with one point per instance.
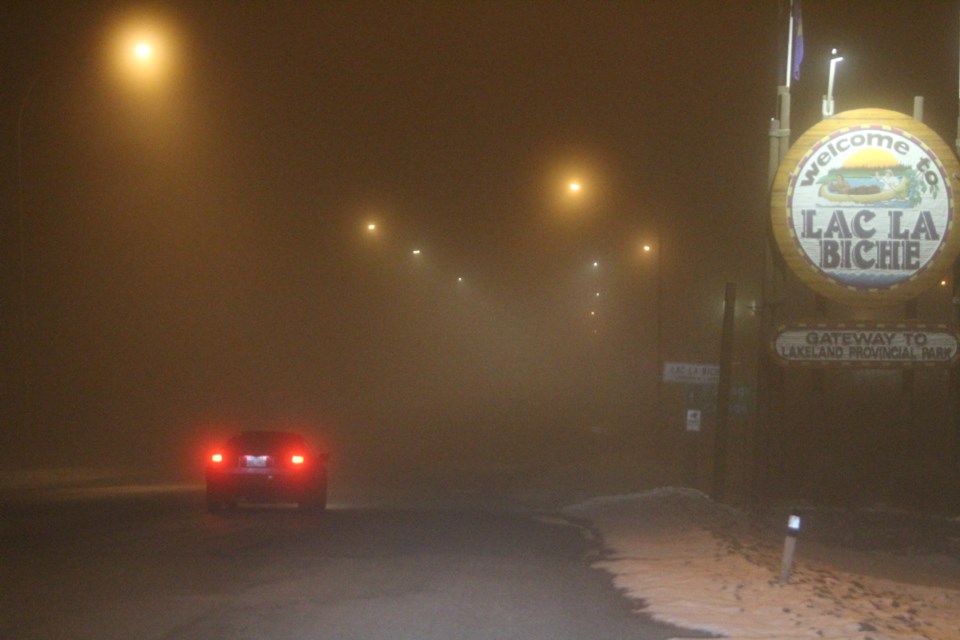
(574, 186)
(143, 50)
(647, 248)
(371, 227)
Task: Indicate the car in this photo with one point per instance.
(260, 467)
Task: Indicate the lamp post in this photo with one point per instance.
(137, 55)
(657, 250)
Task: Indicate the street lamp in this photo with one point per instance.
(142, 53)
(656, 249)
(828, 109)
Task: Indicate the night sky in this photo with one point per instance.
(195, 252)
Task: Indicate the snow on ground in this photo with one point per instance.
(700, 565)
(695, 564)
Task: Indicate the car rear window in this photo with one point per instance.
(266, 441)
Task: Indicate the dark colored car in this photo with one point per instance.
(266, 467)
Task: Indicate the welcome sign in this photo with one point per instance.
(863, 207)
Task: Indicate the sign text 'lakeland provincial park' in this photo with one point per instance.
(867, 345)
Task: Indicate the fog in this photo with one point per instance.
(190, 256)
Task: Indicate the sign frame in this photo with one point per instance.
(814, 148)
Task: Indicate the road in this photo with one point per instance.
(156, 565)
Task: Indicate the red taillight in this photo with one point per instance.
(295, 459)
(216, 458)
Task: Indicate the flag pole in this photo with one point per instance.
(783, 93)
(769, 383)
(789, 48)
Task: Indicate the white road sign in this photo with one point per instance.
(689, 373)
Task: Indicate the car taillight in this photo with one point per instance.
(295, 459)
(216, 458)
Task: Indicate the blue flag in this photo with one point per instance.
(797, 38)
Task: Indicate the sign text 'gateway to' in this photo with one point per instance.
(876, 346)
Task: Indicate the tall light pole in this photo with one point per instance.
(22, 260)
(137, 54)
(657, 250)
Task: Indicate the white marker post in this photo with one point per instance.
(789, 546)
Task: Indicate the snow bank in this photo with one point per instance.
(693, 563)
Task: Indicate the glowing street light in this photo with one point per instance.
(574, 186)
(143, 51)
(136, 56)
(828, 108)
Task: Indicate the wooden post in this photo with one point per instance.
(723, 399)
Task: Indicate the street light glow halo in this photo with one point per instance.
(143, 50)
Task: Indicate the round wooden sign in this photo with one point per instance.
(863, 207)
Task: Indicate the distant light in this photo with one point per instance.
(793, 524)
(416, 252)
(460, 279)
(296, 459)
(593, 313)
(597, 294)
(647, 248)
(372, 226)
(217, 457)
(596, 264)
(143, 50)
(943, 283)
(575, 186)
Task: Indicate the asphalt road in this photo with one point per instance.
(158, 566)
